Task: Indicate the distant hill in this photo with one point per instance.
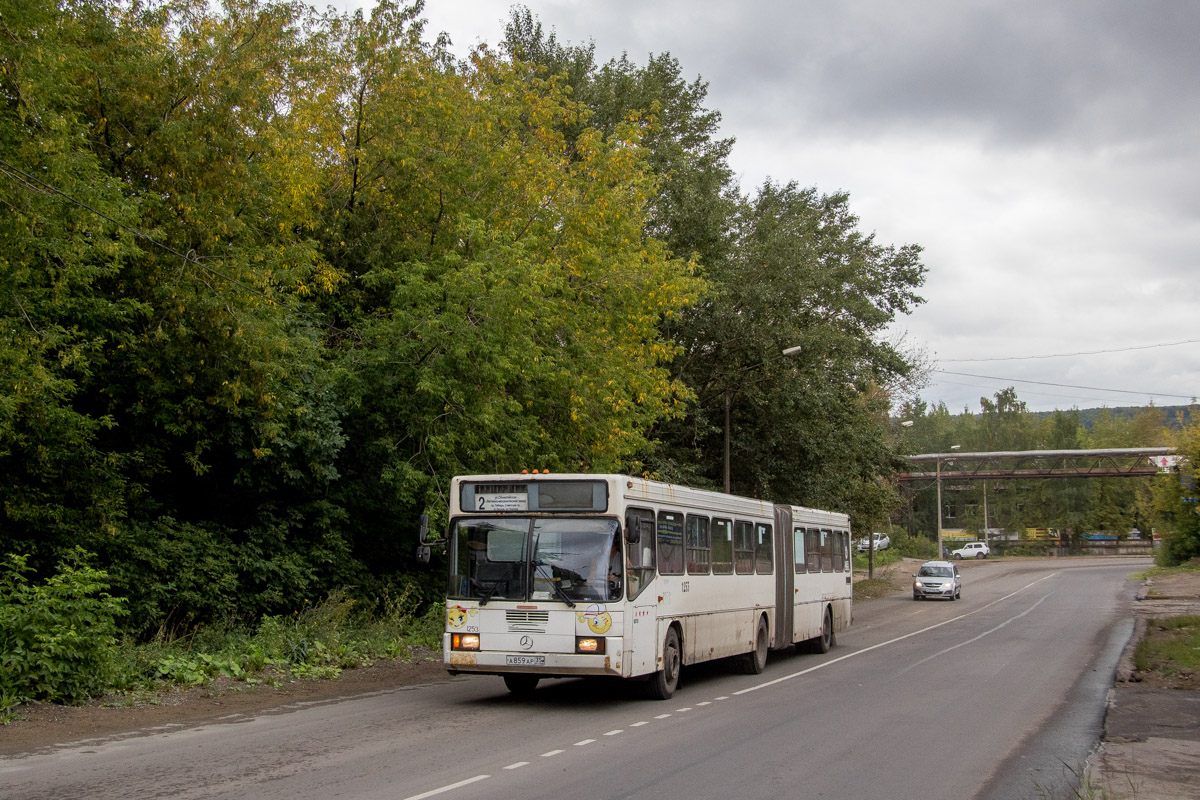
(1175, 417)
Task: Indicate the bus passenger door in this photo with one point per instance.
(641, 632)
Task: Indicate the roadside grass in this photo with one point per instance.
(871, 588)
(1171, 651)
(1081, 788)
(313, 643)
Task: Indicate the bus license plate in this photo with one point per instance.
(525, 661)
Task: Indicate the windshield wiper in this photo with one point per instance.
(558, 590)
(483, 601)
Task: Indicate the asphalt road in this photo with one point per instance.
(999, 695)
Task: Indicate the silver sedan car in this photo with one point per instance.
(937, 579)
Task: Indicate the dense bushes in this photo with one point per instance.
(57, 638)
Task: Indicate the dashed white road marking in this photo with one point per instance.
(449, 788)
(519, 764)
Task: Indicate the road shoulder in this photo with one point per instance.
(1151, 744)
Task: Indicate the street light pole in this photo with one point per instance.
(939, 505)
(727, 402)
(787, 351)
(939, 497)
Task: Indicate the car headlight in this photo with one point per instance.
(918, 585)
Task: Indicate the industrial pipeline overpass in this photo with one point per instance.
(1128, 462)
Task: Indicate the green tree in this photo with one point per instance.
(63, 238)
(809, 427)
(1174, 509)
(507, 315)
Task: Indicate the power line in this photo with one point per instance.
(1027, 392)
(1067, 385)
(1070, 355)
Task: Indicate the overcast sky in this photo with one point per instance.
(1045, 154)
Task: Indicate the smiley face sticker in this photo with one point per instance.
(456, 616)
(596, 617)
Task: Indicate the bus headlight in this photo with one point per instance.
(464, 641)
(592, 645)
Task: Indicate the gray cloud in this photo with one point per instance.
(1043, 153)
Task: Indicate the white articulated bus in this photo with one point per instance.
(564, 575)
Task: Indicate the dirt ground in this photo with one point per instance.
(42, 725)
(1165, 596)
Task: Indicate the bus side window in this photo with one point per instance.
(722, 547)
(639, 558)
(798, 549)
(846, 546)
(698, 547)
(743, 547)
(764, 553)
(670, 543)
(839, 553)
(814, 550)
(826, 550)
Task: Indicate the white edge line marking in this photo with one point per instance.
(449, 788)
(833, 661)
(477, 778)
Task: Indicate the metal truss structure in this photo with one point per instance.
(1132, 462)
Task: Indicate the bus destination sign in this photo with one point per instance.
(501, 498)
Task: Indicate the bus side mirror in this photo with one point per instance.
(423, 551)
(633, 529)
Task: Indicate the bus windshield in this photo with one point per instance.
(541, 558)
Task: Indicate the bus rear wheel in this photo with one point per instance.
(754, 662)
(664, 682)
(824, 642)
(521, 684)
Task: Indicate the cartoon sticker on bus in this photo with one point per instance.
(456, 616)
(597, 618)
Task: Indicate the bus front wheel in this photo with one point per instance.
(664, 682)
(521, 684)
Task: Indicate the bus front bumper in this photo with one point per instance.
(491, 662)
